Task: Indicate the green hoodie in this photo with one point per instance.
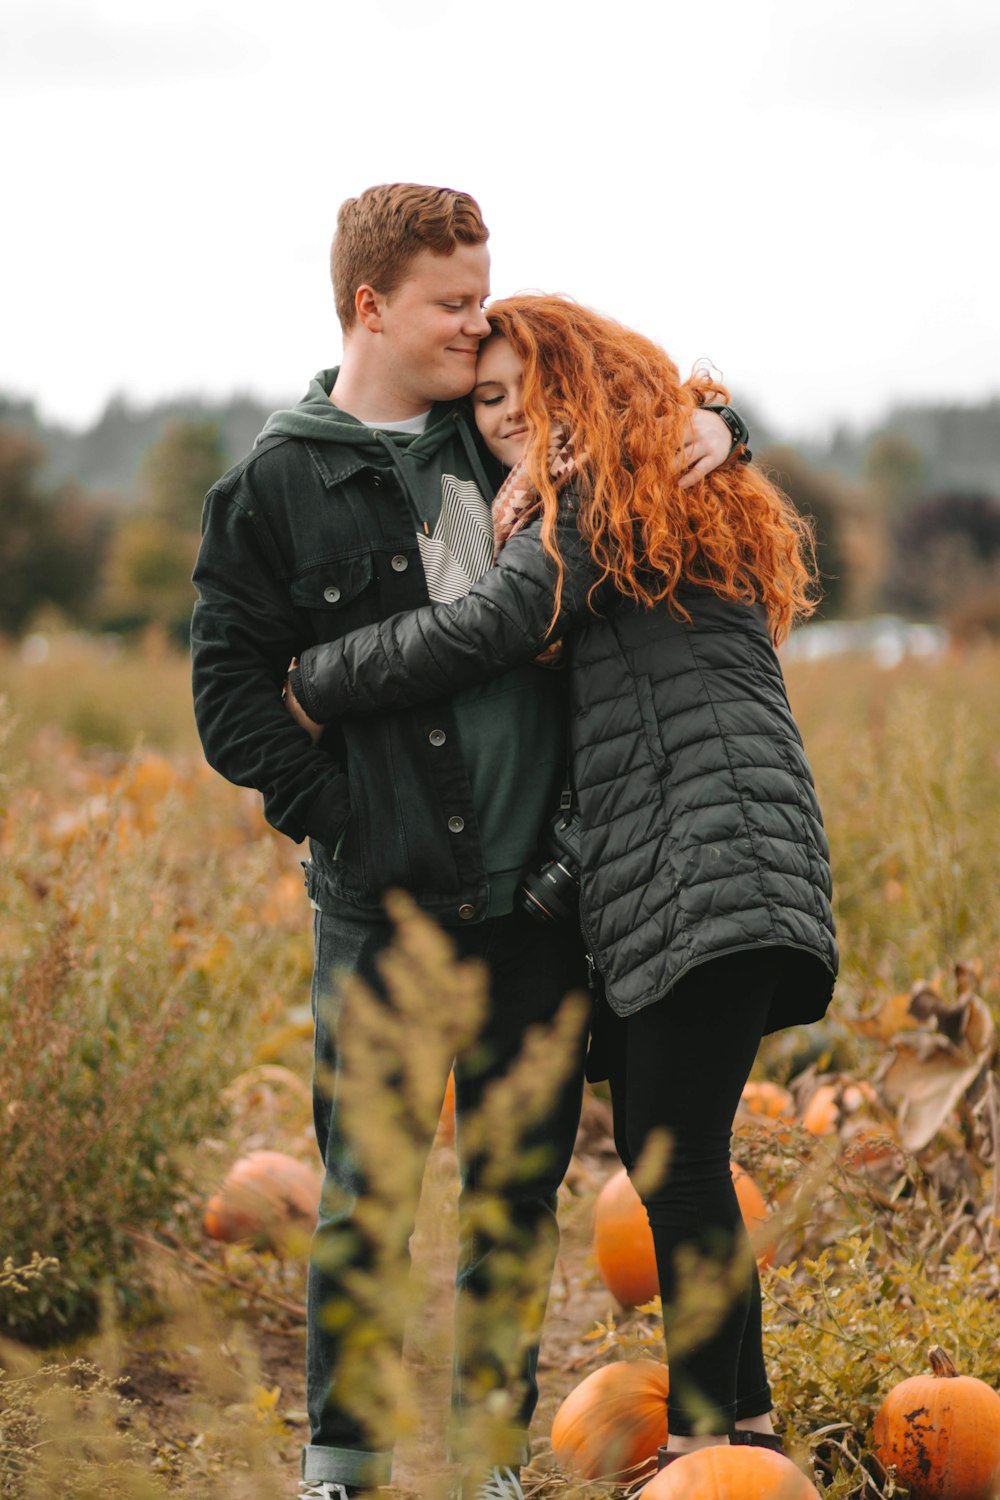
(512, 729)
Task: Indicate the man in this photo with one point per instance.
(369, 497)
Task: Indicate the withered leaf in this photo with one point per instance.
(884, 1023)
(932, 1070)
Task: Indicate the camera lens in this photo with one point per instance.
(552, 891)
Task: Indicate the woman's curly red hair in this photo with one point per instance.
(622, 399)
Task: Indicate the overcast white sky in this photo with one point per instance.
(804, 193)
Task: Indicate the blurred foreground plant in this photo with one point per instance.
(397, 1053)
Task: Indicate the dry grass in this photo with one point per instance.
(154, 957)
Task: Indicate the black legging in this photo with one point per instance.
(679, 1065)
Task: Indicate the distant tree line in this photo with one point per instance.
(113, 553)
(81, 556)
(108, 457)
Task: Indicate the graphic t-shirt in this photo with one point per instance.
(512, 728)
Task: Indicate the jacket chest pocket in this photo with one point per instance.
(338, 595)
(651, 726)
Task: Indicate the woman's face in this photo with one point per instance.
(496, 401)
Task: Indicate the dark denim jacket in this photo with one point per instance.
(302, 542)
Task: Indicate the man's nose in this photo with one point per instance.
(477, 325)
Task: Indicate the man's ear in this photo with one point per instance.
(368, 304)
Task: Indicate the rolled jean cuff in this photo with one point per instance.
(346, 1466)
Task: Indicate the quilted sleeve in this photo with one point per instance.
(431, 652)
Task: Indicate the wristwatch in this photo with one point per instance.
(739, 429)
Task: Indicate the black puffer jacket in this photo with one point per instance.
(702, 834)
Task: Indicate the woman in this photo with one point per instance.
(705, 884)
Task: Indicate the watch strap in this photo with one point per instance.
(738, 428)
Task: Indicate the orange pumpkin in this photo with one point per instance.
(265, 1194)
(614, 1420)
(754, 1211)
(833, 1103)
(941, 1433)
(623, 1240)
(765, 1104)
(852, 1108)
(768, 1101)
(821, 1114)
(623, 1243)
(730, 1473)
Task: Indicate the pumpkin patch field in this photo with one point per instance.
(159, 1177)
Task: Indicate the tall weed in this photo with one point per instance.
(908, 775)
(126, 1005)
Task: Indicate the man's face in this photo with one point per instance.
(433, 322)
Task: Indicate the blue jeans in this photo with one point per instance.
(531, 967)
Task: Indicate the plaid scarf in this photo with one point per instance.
(517, 499)
(517, 503)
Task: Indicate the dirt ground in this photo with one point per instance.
(172, 1395)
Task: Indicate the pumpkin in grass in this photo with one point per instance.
(821, 1114)
(754, 1211)
(623, 1240)
(768, 1099)
(852, 1109)
(613, 1420)
(941, 1433)
(731, 1473)
(765, 1104)
(623, 1243)
(265, 1195)
(832, 1103)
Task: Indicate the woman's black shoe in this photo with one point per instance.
(743, 1439)
(663, 1458)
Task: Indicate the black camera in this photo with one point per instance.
(552, 891)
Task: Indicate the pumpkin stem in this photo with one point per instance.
(941, 1364)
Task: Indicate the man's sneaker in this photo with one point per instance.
(325, 1489)
(498, 1484)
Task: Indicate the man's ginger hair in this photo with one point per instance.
(627, 410)
(379, 233)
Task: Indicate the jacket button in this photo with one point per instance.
(437, 736)
(377, 481)
(332, 594)
(455, 825)
(466, 912)
(399, 563)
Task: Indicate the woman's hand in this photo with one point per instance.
(296, 710)
(709, 444)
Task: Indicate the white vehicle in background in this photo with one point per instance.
(886, 639)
